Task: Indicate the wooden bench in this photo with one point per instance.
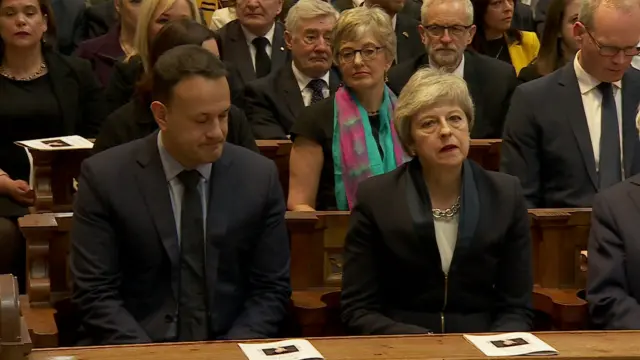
(15, 342)
(570, 345)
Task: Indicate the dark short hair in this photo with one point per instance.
(180, 63)
(50, 36)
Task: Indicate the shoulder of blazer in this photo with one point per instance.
(489, 65)
(57, 62)
(381, 186)
(492, 179)
(530, 42)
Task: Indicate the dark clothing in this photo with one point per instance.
(498, 49)
(275, 101)
(547, 145)
(236, 50)
(612, 294)
(409, 43)
(99, 19)
(134, 120)
(523, 19)
(69, 19)
(315, 123)
(491, 83)
(126, 75)
(529, 73)
(103, 52)
(125, 248)
(393, 282)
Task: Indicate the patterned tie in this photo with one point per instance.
(316, 86)
(263, 61)
(609, 167)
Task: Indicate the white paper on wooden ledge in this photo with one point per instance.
(511, 344)
(73, 142)
(281, 350)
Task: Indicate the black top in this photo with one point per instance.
(529, 73)
(23, 118)
(498, 49)
(315, 123)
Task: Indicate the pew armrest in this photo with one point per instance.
(565, 308)
(15, 342)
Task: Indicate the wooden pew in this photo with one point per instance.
(570, 345)
(486, 152)
(278, 151)
(15, 342)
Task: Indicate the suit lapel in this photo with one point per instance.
(334, 80)
(634, 192)
(630, 94)
(290, 90)
(570, 93)
(153, 185)
(240, 52)
(65, 88)
(278, 49)
(473, 77)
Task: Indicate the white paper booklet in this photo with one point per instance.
(73, 142)
(281, 350)
(511, 344)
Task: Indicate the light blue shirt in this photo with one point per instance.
(172, 168)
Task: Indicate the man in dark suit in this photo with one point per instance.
(173, 239)
(99, 18)
(573, 133)
(254, 42)
(612, 294)
(273, 102)
(69, 20)
(446, 31)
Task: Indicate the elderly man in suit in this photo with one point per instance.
(612, 294)
(254, 42)
(446, 30)
(273, 102)
(572, 133)
(173, 238)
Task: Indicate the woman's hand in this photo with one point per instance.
(18, 190)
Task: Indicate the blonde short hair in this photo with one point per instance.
(141, 43)
(306, 10)
(428, 88)
(355, 23)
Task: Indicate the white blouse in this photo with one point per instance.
(446, 237)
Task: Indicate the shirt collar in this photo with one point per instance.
(172, 167)
(394, 20)
(458, 71)
(303, 80)
(585, 80)
(250, 36)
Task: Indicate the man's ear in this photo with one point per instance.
(288, 38)
(472, 33)
(160, 114)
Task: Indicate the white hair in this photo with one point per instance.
(307, 10)
(468, 6)
(588, 8)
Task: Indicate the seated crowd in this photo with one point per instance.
(179, 229)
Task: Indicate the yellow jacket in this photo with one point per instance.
(523, 52)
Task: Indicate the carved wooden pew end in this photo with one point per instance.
(15, 342)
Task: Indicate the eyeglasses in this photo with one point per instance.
(454, 30)
(606, 50)
(367, 53)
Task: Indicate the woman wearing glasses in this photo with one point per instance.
(349, 136)
(440, 244)
(495, 37)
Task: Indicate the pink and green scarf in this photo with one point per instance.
(356, 156)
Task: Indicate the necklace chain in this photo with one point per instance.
(447, 213)
(35, 75)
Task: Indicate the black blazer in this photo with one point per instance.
(134, 120)
(547, 145)
(126, 75)
(235, 50)
(393, 282)
(103, 52)
(614, 258)
(274, 102)
(491, 83)
(79, 94)
(98, 19)
(125, 253)
(409, 44)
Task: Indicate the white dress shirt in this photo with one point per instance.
(446, 238)
(458, 71)
(592, 103)
(303, 80)
(252, 49)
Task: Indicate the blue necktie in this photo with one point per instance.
(316, 86)
(610, 169)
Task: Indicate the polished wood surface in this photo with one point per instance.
(40, 322)
(15, 342)
(570, 345)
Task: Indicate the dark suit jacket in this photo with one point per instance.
(125, 76)
(409, 43)
(103, 52)
(69, 16)
(125, 252)
(411, 7)
(393, 281)
(99, 19)
(491, 83)
(614, 257)
(235, 50)
(547, 145)
(79, 94)
(523, 17)
(274, 102)
(135, 120)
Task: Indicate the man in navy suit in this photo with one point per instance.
(173, 237)
(573, 133)
(612, 293)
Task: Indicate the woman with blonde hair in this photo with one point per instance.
(420, 234)
(153, 15)
(350, 136)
